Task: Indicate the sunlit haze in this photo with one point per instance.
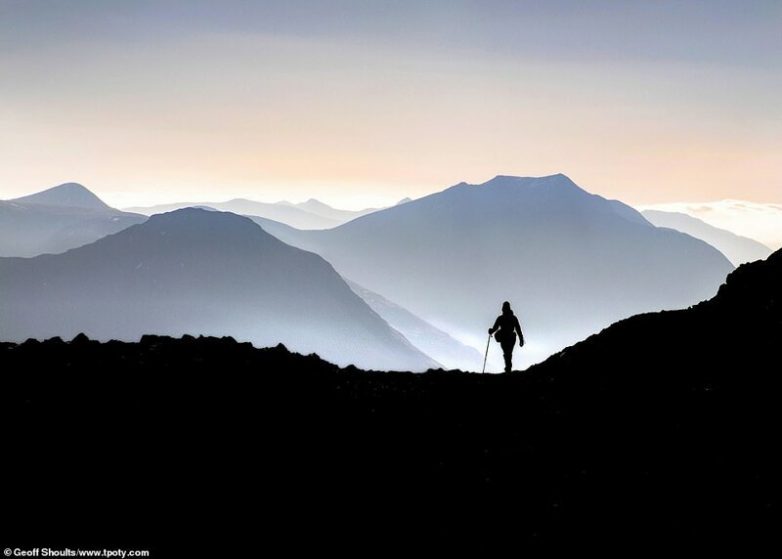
(762, 222)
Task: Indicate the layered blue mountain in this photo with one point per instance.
(738, 249)
(570, 262)
(307, 215)
(198, 272)
(56, 220)
(325, 211)
(67, 195)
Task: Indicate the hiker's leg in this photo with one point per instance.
(507, 353)
(507, 349)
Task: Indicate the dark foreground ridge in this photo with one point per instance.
(660, 431)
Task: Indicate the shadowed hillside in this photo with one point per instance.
(659, 431)
(198, 272)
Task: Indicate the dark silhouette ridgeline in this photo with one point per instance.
(658, 431)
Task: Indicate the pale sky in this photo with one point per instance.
(361, 103)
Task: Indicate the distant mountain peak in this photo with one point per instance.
(71, 187)
(314, 203)
(557, 179)
(69, 195)
(505, 178)
(509, 183)
(202, 219)
(207, 227)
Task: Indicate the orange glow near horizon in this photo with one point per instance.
(210, 114)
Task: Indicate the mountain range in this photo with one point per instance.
(55, 220)
(325, 211)
(738, 249)
(438, 268)
(81, 204)
(311, 214)
(570, 262)
(199, 272)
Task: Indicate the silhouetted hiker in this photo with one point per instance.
(508, 325)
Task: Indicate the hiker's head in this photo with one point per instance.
(506, 307)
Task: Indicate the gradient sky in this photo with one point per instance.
(365, 102)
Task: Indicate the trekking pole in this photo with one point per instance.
(487, 354)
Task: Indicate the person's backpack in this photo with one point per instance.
(499, 336)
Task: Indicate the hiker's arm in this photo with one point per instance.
(496, 326)
(521, 334)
